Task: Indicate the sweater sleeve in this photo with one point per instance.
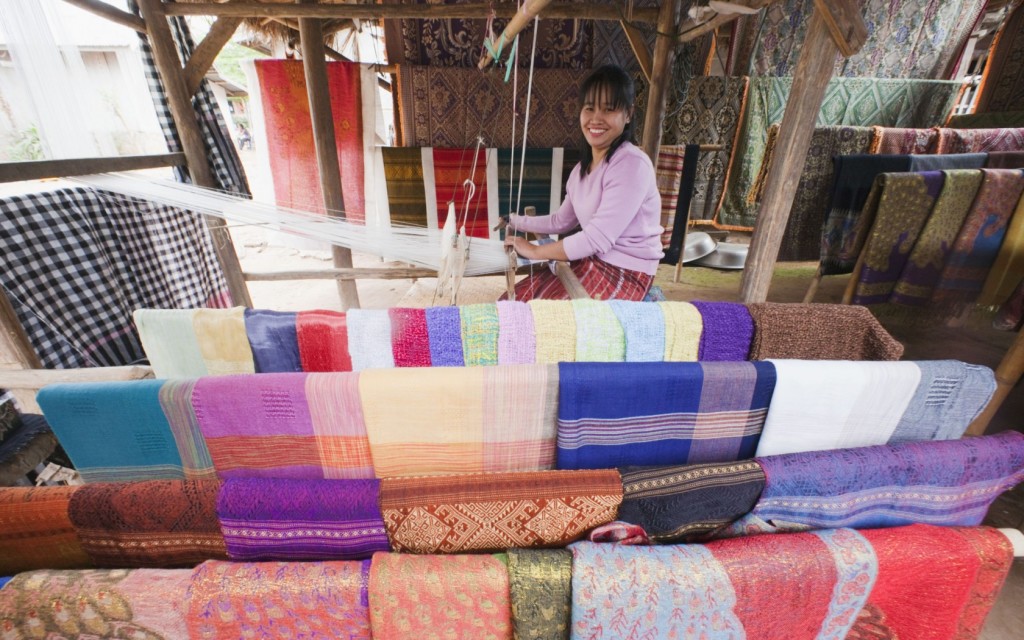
(621, 197)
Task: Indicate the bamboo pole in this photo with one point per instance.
(1008, 374)
(204, 55)
(514, 26)
(810, 79)
(315, 68)
(661, 73)
(180, 102)
(812, 289)
(691, 29)
(102, 9)
(42, 169)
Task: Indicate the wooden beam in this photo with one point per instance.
(1008, 374)
(204, 55)
(315, 68)
(180, 102)
(636, 42)
(39, 378)
(811, 77)
(518, 22)
(571, 283)
(691, 29)
(111, 13)
(42, 169)
(364, 273)
(845, 24)
(560, 10)
(661, 74)
(15, 349)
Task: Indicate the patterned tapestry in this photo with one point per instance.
(1003, 86)
(857, 102)
(920, 39)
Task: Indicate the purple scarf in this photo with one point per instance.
(444, 327)
(728, 330)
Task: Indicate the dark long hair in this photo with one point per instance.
(612, 84)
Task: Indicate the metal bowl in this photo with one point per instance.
(727, 255)
(698, 245)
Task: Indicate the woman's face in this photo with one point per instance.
(601, 123)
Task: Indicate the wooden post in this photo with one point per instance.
(204, 55)
(813, 72)
(315, 67)
(636, 42)
(1008, 374)
(180, 102)
(661, 72)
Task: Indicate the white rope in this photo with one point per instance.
(416, 245)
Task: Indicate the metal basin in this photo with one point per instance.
(727, 255)
(698, 245)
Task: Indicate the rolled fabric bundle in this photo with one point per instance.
(323, 341)
(274, 340)
(410, 343)
(96, 603)
(943, 483)
(819, 332)
(158, 523)
(169, 339)
(486, 512)
(37, 532)
(516, 341)
(279, 600)
(540, 588)
(282, 519)
(727, 331)
(223, 341)
(691, 501)
(554, 324)
(369, 339)
(479, 334)
(643, 325)
(444, 326)
(599, 336)
(463, 596)
(683, 329)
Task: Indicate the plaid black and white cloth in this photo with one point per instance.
(76, 263)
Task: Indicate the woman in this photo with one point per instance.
(611, 195)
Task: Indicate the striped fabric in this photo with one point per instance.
(660, 413)
(176, 401)
(554, 324)
(643, 325)
(410, 344)
(323, 341)
(444, 327)
(223, 341)
(668, 174)
(516, 341)
(492, 512)
(338, 425)
(683, 328)
(369, 339)
(599, 336)
(460, 420)
(169, 339)
(479, 334)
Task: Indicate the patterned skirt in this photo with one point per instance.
(602, 281)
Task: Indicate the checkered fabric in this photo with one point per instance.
(76, 262)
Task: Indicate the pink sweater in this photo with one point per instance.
(619, 209)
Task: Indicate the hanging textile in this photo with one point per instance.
(479, 334)
(599, 336)
(683, 329)
(819, 332)
(444, 326)
(979, 140)
(170, 342)
(1001, 88)
(554, 323)
(113, 431)
(898, 208)
(323, 341)
(1008, 268)
(37, 531)
(950, 395)
(942, 483)
(101, 603)
(540, 588)
(661, 413)
(668, 172)
(643, 325)
(273, 339)
(1005, 160)
(407, 197)
(369, 339)
(465, 596)
(410, 344)
(727, 331)
(516, 341)
(452, 167)
(159, 523)
(687, 502)
(493, 512)
(536, 175)
(904, 140)
(223, 342)
(306, 519)
(176, 401)
(278, 599)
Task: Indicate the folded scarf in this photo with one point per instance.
(479, 334)
(444, 327)
(159, 523)
(599, 336)
(793, 586)
(96, 603)
(444, 596)
(540, 588)
(170, 342)
(274, 340)
(369, 339)
(1008, 268)
(489, 512)
(979, 140)
(836, 404)
(281, 519)
(460, 420)
(554, 324)
(223, 341)
(728, 330)
(619, 532)
(410, 344)
(683, 329)
(896, 140)
(36, 531)
(113, 431)
(927, 258)
(643, 325)
(323, 341)
(819, 332)
(949, 397)
(516, 341)
(661, 413)
(687, 502)
(943, 483)
(279, 600)
(176, 401)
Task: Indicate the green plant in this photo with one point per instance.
(26, 145)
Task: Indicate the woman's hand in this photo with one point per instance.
(521, 246)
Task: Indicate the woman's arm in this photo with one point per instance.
(530, 251)
(623, 191)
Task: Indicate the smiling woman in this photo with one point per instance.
(611, 195)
